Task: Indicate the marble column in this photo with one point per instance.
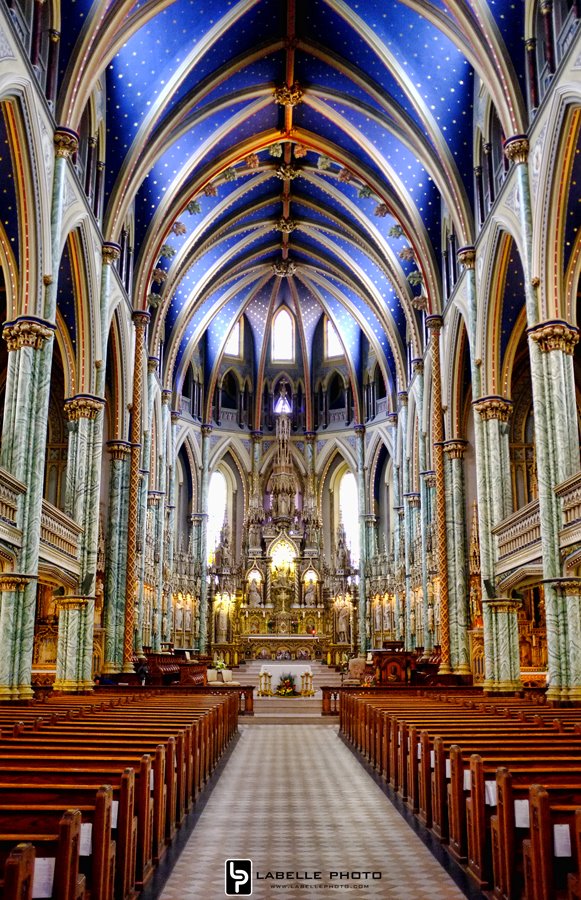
(140, 321)
(168, 561)
(30, 346)
(363, 623)
(393, 423)
(142, 522)
(404, 425)
(568, 594)
(116, 569)
(494, 471)
(255, 511)
(418, 387)
(161, 613)
(459, 622)
(84, 413)
(203, 630)
(434, 325)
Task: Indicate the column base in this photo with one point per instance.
(503, 687)
(444, 669)
(463, 669)
(70, 687)
(18, 692)
(110, 669)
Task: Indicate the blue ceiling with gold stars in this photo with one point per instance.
(268, 152)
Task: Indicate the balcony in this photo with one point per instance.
(10, 490)
(59, 539)
(519, 535)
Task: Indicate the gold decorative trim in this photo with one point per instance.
(467, 257)
(286, 225)
(110, 253)
(83, 406)
(288, 95)
(516, 149)
(493, 408)
(455, 449)
(66, 142)
(504, 605)
(284, 267)
(119, 449)
(27, 333)
(73, 603)
(13, 581)
(555, 336)
(286, 172)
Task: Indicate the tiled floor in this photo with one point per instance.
(294, 799)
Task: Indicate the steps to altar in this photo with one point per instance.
(289, 711)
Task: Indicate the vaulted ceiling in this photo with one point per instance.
(297, 152)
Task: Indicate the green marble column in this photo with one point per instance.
(168, 559)
(203, 629)
(504, 626)
(30, 345)
(403, 420)
(459, 615)
(84, 413)
(418, 388)
(161, 628)
(115, 571)
(363, 618)
(142, 523)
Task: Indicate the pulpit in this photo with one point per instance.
(393, 664)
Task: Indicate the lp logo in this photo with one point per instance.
(238, 877)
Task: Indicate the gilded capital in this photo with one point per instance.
(555, 335)
(417, 366)
(140, 318)
(110, 253)
(434, 323)
(83, 406)
(569, 587)
(152, 363)
(392, 419)
(503, 604)
(429, 479)
(73, 603)
(402, 396)
(206, 429)
(467, 257)
(166, 396)
(66, 142)
(14, 581)
(455, 449)
(493, 408)
(119, 449)
(516, 148)
(288, 95)
(27, 333)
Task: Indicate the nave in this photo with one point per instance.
(295, 799)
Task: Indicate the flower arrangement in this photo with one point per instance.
(286, 686)
(220, 664)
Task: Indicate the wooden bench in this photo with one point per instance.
(18, 875)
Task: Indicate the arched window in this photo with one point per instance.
(218, 491)
(349, 510)
(283, 337)
(333, 345)
(232, 345)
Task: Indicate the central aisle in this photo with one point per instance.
(294, 799)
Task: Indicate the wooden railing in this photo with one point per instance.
(10, 490)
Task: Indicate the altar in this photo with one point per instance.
(270, 677)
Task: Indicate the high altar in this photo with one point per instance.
(283, 602)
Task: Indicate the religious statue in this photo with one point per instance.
(310, 595)
(344, 624)
(378, 617)
(254, 595)
(221, 623)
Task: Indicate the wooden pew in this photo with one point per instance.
(61, 845)
(16, 883)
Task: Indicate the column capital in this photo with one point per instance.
(71, 602)
(27, 331)
(467, 257)
(83, 406)
(402, 396)
(152, 363)
(119, 449)
(140, 318)
(206, 429)
(359, 430)
(166, 396)
(310, 435)
(569, 586)
(413, 499)
(110, 252)
(14, 581)
(503, 604)
(429, 478)
(154, 498)
(530, 44)
(455, 449)
(66, 142)
(434, 323)
(516, 148)
(417, 366)
(175, 416)
(255, 435)
(555, 335)
(392, 419)
(493, 407)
